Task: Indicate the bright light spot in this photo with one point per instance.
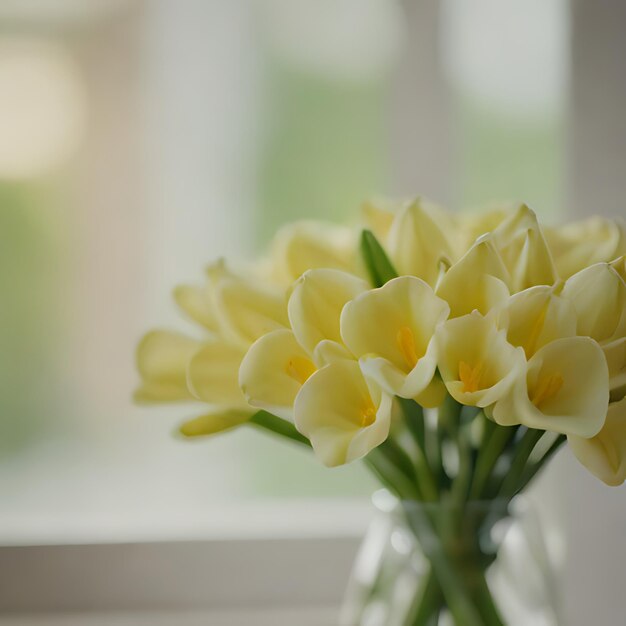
(42, 107)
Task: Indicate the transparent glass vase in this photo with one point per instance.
(439, 564)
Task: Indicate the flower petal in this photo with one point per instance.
(419, 238)
(273, 371)
(536, 316)
(598, 294)
(213, 374)
(390, 330)
(196, 303)
(343, 416)
(566, 390)
(523, 248)
(477, 364)
(605, 454)
(581, 244)
(213, 423)
(247, 311)
(478, 281)
(316, 302)
(162, 359)
(307, 245)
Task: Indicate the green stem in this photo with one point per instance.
(488, 457)
(414, 420)
(457, 597)
(394, 479)
(462, 481)
(484, 601)
(531, 469)
(426, 608)
(278, 426)
(423, 472)
(511, 484)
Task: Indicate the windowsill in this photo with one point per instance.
(304, 616)
(256, 519)
(274, 560)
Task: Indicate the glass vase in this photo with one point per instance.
(478, 564)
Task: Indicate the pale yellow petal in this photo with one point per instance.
(196, 303)
(306, 245)
(477, 364)
(536, 316)
(474, 224)
(433, 396)
(246, 311)
(328, 351)
(598, 294)
(213, 423)
(619, 265)
(213, 374)
(524, 251)
(390, 330)
(615, 353)
(605, 454)
(378, 214)
(478, 281)
(566, 390)
(162, 359)
(273, 371)
(316, 302)
(580, 244)
(342, 416)
(420, 237)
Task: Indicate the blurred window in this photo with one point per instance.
(141, 140)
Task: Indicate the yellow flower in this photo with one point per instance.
(378, 215)
(580, 244)
(343, 415)
(524, 250)
(477, 364)
(473, 224)
(478, 281)
(197, 303)
(273, 371)
(246, 309)
(565, 390)
(390, 330)
(307, 245)
(215, 422)
(316, 302)
(605, 454)
(598, 293)
(213, 372)
(162, 360)
(420, 238)
(280, 362)
(236, 311)
(536, 316)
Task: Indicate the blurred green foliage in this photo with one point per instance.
(29, 260)
(502, 158)
(324, 151)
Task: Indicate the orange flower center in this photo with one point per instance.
(547, 388)
(470, 376)
(406, 343)
(299, 368)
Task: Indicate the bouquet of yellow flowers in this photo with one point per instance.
(453, 353)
